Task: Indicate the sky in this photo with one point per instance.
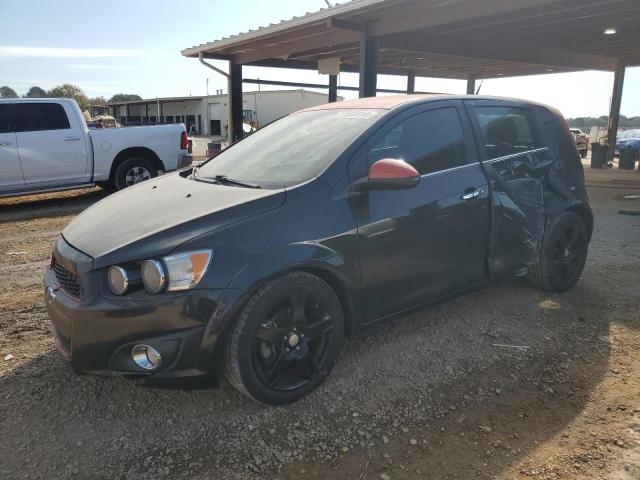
(133, 46)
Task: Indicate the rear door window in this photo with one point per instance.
(505, 131)
(31, 117)
(5, 126)
(430, 141)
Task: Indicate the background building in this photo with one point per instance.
(209, 115)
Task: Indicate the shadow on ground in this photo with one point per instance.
(48, 205)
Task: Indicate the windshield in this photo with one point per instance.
(291, 150)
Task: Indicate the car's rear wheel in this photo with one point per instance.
(132, 171)
(563, 254)
(285, 340)
(583, 153)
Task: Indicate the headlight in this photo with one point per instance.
(185, 270)
(153, 276)
(118, 280)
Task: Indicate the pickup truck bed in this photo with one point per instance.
(45, 145)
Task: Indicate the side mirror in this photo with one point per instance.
(389, 174)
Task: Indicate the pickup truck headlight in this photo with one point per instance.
(176, 272)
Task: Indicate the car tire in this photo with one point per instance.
(285, 339)
(562, 255)
(584, 153)
(133, 170)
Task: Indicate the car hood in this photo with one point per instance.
(156, 216)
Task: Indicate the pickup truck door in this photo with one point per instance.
(10, 171)
(51, 144)
(432, 239)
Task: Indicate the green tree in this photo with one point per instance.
(8, 92)
(97, 101)
(124, 97)
(36, 92)
(68, 90)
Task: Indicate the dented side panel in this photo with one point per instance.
(517, 185)
(529, 189)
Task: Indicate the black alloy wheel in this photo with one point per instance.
(286, 339)
(292, 342)
(568, 251)
(563, 254)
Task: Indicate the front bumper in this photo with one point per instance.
(97, 332)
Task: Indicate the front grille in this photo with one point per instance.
(69, 281)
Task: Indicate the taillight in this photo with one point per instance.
(184, 141)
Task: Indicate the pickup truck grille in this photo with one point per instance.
(69, 281)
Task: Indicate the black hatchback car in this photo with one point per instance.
(258, 262)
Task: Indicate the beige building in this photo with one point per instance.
(209, 115)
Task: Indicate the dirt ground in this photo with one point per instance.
(505, 382)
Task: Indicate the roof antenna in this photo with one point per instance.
(481, 82)
(328, 4)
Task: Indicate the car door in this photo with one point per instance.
(432, 239)
(10, 170)
(50, 144)
(516, 162)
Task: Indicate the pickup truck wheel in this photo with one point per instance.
(285, 340)
(134, 170)
(562, 256)
(583, 153)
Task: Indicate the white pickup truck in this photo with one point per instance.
(45, 145)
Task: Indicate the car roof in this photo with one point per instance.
(389, 102)
(30, 100)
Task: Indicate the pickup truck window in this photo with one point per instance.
(4, 119)
(505, 131)
(431, 141)
(32, 117)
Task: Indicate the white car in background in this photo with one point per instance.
(45, 145)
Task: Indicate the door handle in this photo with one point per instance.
(71, 139)
(470, 195)
(5, 144)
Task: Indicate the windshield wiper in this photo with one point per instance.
(225, 179)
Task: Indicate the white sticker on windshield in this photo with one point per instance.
(355, 114)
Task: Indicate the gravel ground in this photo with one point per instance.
(504, 382)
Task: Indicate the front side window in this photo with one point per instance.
(291, 150)
(31, 117)
(505, 131)
(431, 141)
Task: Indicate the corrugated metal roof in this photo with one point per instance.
(446, 38)
(296, 21)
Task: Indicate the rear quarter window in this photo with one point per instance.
(505, 131)
(32, 117)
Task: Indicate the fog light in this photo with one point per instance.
(146, 357)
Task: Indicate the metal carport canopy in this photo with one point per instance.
(457, 39)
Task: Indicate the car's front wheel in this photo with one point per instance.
(285, 340)
(562, 255)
